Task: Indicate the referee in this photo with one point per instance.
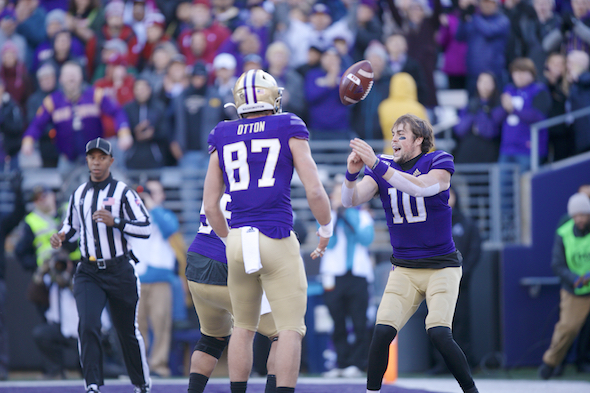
(103, 213)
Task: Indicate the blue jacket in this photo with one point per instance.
(486, 38)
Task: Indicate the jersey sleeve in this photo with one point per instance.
(297, 128)
(212, 140)
(443, 160)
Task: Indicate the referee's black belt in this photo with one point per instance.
(104, 263)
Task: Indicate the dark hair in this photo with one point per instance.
(523, 64)
(73, 8)
(420, 128)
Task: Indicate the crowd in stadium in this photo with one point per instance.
(156, 74)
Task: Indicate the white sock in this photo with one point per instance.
(373, 391)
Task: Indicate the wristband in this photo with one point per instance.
(326, 230)
(352, 176)
(380, 167)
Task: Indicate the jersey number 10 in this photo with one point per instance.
(241, 162)
(408, 213)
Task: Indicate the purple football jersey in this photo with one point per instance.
(257, 166)
(419, 227)
(206, 241)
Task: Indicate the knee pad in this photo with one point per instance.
(211, 345)
(440, 335)
(384, 333)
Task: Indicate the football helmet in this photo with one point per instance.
(257, 91)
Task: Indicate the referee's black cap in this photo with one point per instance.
(100, 144)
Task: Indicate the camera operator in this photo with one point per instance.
(60, 331)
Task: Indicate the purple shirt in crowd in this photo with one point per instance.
(76, 124)
(257, 166)
(419, 227)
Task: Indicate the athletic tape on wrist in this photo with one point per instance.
(326, 230)
(352, 176)
(380, 168)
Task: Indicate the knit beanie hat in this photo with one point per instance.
(578, 203)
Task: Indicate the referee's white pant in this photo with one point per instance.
(119, 286)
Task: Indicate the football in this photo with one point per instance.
(356, 82)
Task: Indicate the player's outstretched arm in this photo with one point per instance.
(317, 198)
(212, 192)
(425, 185)
(356, 193)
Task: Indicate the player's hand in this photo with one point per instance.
(56, 239)
(321, 248)
(104, 216)
(364, 151)
(354, 163)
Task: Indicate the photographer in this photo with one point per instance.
(59, 332)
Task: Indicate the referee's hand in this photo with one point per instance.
(104, 216)
(56, 239)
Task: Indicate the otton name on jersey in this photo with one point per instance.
(258, 126)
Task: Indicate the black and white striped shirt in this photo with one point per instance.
(96, 238)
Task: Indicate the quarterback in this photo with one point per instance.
(253, 159)
(413, 185)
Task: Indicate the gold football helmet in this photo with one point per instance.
(257, 91)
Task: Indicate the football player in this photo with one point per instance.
(253, 159)
(413, 185)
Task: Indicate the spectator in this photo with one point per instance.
(535, 32)
(8, 221)
(578, 76)
(468, 241)
(156, 272)
(62, 51)
(260, 23)
(202, 21)
(175, 80)
(75, 112)
(486, 33)
(455, 52)
(561, 137)
(478, 130)
(85, 18)
(523, 103)
(342, 48)
(570, 239)
(155, 34)
(368, 28)
(399, 61)
(227, 14)
(47, 81)
(8, 32)
(158, 65)
(402, 99)
(29, 16)
(321, 94)
(113, 28)
(224, 67)
(182, 16)
(419, 25)
(243, 42)
(110, 49)
(55, 22)
(11, 129)
(366, 113)
(347, 271)
(59, 331)
(147, 119)
(314, 55)
(135, 15)
(576, 27)
(197, 111)
(278, 57)
(320, 31)
(253, 62)
(14, 74)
